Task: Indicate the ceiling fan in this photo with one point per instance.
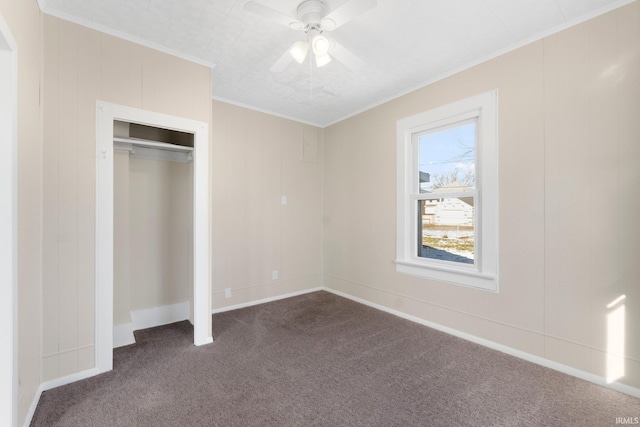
(314, 18)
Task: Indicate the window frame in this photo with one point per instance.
(483, 274)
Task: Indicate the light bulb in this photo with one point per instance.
(320, 45)
(322, 60)
(299, 51)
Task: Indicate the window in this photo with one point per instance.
(447, 213)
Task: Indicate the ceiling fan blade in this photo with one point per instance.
(345, 56)
(283, 61)
(273, 15)
(346, 13)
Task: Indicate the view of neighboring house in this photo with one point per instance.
(449, 211)
(448, 224)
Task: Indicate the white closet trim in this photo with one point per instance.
(106, 115)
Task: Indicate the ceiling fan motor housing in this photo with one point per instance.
(311, 12)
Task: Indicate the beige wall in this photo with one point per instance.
(569, 198)
(257, 158)
(153, 234)
(24, 21)
(80, 67)
(121, 238)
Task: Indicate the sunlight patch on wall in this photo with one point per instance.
(615, 339)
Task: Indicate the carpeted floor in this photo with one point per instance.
(322, 360)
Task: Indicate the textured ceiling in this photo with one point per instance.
(404, 44)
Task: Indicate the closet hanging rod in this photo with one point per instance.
(152, 144)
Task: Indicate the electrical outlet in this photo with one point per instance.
(274, 275)
(227, 292)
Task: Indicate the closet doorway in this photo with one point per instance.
(107, 115)
(8, 228)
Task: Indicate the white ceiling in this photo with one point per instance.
(404, 44)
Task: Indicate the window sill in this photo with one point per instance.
(459, 276)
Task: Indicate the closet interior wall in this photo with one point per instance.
(153, 233)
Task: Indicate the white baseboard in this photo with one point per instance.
(32, 408)
(158, 316)
(123, 335)
(48, 385)
(623, 388)
(149, 318)
(265, 300)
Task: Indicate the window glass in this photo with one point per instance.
(446, 229)
(447, 158)
(446, 165)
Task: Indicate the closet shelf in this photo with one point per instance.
(154, 150)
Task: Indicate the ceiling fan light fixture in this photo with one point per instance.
(322, 60)
(299, 51)
(320, 45)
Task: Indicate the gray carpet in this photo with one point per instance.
(322, 360)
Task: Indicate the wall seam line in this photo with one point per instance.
(544, 197)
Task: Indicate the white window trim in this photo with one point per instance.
(484, 274)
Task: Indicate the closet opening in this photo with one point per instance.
(152, 226)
